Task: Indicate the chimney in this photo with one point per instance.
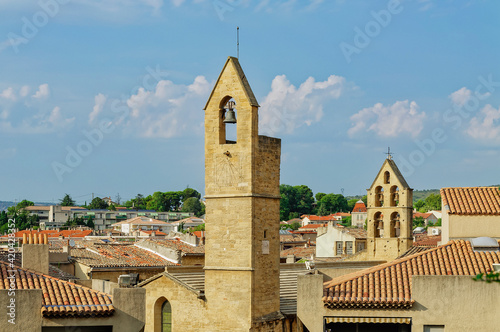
(36, 257)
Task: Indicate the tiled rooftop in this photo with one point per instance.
(471, 200)
(300, 252)
(179, 245)
(141, 220)
(359, 207)
(60, 298)
(389, 285)
(53, 271)
(358, 233)
(117, 255)
(427, 240)
(53, 233)
(309, 227)
(420, 214)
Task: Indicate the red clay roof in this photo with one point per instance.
(141, 220)
(312, 226)
(117, 255)
(427, 240)
(300, 252)
(60, 298)
(359, 207)
(53, 233)
(389, 285)
(178, 245)
(472, 200)
(420, 214)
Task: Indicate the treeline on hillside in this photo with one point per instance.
(299, 200)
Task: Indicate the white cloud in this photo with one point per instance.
(56, 119)
(24, 91)
(486, 126)
(460, 97)
(286, 107)
(170, 110)
(100, 100)
(43, 92)
(402, 117)
(8, 94)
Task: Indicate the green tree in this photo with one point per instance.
(98, 204)
(351, 203)
(319, 196)
(418, 222)
(332, 203)
(199, 228)
(67, 201)
(288, 201)
(90, 222)
(433, 202)
(192, 204)
(305, 200)
(347, 222)
(188, 193)
(419, 205)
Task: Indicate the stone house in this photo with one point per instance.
(470, 212)
(428, 291)
(359, 214)
(339, 241)
(40, 302)
(109, 261)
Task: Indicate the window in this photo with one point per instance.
(339, 247)
(166, 317)
(348, 247)
(433, 328)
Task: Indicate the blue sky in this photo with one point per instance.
(106, 97)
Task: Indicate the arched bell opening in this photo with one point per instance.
(378, 224)
(387, 177)
(395, 224)
(394, 196)
(379, 196)
(228, 128)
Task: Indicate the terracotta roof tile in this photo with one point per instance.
(53, 271)
(59, 298)
(117, 255)
(359, 207)
(427, 240)
(300, 252)
(472, 200)
(389, 285)
(178, 245)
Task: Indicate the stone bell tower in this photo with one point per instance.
(242, 214)
(390, 214)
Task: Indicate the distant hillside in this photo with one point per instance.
(422, 194)
(4, 205)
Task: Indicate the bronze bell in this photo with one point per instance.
(229, 117)
(380, 225)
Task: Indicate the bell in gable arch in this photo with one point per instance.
(230, 116)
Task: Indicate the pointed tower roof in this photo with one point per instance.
(395, 171)
(232, 63)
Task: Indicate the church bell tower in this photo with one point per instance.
(242, 174)
(390, 214)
